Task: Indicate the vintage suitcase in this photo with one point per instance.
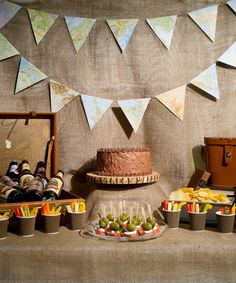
(220, 157)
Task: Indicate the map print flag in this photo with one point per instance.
(122, 30)
(79, 28)
(206, 18)
(232, 5)
(7, 11)
(28, 75)
(163, 27)
(60, 95)
(94, 108)
(174, 100)
(207, 81)
(229, 56)
(7, 50)
(134, 110)
(41, 22)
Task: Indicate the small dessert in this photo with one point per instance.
(114, 230)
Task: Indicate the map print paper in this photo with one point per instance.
(94, 108)
(207, 81)
(163, 27)
(206, 19)
(232, 5)
(60, 95)
(122, 30)
(7, 50)
(134, 110)
(79, 28)
(229, 56)
(28, 75)
(174, 100)
(41, 22)
(7, 11)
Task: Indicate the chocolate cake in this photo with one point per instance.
(123, 162)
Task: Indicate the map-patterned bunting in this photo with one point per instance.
(205, 18)
(7, 50)
(60, 95)
(122, 30)
(174, 100)
(229, 56)
(7, 11)
(41, 22)
(163, 27)
(134, 110)
(79, 28)
(94, 108)
(232, 5)
(207, 81)
(28, 75)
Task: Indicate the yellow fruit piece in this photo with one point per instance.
(82, 206)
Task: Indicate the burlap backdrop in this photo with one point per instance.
(145, 69)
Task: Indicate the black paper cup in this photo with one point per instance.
(172, 218)
(26, 225)
(76, 220)
(3, 227)
(197, 220)
(51, 223)
(225, 223)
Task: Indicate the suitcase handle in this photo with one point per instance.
(228, 154)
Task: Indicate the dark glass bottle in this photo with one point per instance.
(26, 177)
(12, 171)
(7, 181)
(40, 172)
(54, 187)
(34, 191)
(9, 194)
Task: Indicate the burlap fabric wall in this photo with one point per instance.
(145, 69)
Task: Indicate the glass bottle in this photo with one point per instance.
(7, 181)
(9, 194)
(26, 177)
(34, 191)
(40, 172)
(12, 171)
(54, 187)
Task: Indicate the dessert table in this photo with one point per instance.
(180, 255)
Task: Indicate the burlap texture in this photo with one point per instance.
(145, 69)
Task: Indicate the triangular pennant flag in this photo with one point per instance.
(41, 22)
(174, 100)
(134, 110)
(205, 18)
(163, 28)
(7, 50)
(28, 75)
(232, 5)
(229, 56)
(94, 108)
(7, 11)
(60, 95)
(79, 28)
(122, 30)
(207, 81)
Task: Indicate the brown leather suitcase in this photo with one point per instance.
(220, 157)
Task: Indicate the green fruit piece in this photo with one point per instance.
(135, 221)
(105, 220)
(110, 217)
(119, 222)
(147, 226)
(102, 223)
(131, 227)
(114, 226)
(151, 220)
(124, 217)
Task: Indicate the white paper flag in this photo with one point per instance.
(94, 108)
(232, 5)
(41, 22)
(7, 11)
(163, 27)
(122, 30)
(7, 50)
(134, 110)
(206, 18)
(207, 81)
(174, 100)
(60, 95)
(229, 56)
